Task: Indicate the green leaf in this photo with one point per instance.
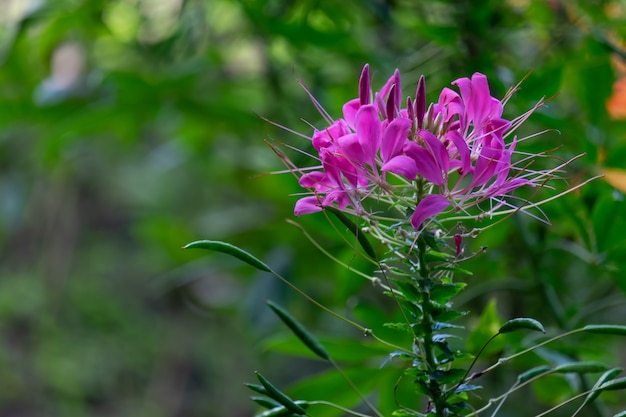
(451, 376)
(531, 373)
(620, 414)
(265, 401)
(258, 388)
(613, 329)
(607, 376)
(300, 331)
(583, 367)
(279, 396)
(409, 290)
(434, 256)
(521, 323)
(360, 235)
(229, 249)
(467, 387)
(441, 293)
(619, 383)
(281, 411)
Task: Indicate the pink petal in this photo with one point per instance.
(317, 180)
(426, 165)
(307, 205)
(351, 148)
(463, 150)
(328, 137)
(401, 165)
(364, 86)
(436, 149)
(349, 111)
(395, 136)
(430, 206)
(368, 127)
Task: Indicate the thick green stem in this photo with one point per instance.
(436, 395)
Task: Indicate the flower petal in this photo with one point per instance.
(394, 138)
(426, 165)
(307, 205)
(401, 165)
(368, 127)
(430, 206)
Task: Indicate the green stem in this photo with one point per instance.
(436, 393)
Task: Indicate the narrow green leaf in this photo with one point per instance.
(531, 373)
(607, 376)
(281, 411)
(265, 401)
(363, 241)
(613, 329)
(466, 388)
(583, 367)
(620, 414)
(278, 395)
(300, 331)
(229, 249)
(619, 383)
(257, 388)
(521, 323)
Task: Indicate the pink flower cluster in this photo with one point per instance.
(453, 152)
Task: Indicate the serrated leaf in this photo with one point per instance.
(613, 329)
(583, 367)
(441, 293)
(607, 376)
(409, 290)
(451, 376)
(397, 326)
(433, 256)
(229, 249)
(521, 323)
(300, 331)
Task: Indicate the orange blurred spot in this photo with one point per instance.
(616, 104)
(616, 178)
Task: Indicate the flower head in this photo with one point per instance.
(448, 157)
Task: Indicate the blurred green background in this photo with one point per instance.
(130, 128)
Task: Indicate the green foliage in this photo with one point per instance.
(129, 128)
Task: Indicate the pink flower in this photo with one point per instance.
(452, 153)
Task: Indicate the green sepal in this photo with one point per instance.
(300, 331)
(229, 249)
(363, 241)
(279, 396)
(521, 323)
